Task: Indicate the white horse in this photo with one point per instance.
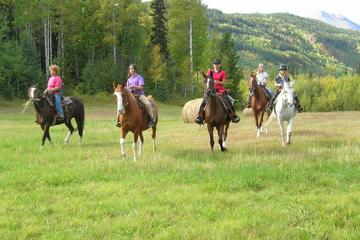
(285, 110)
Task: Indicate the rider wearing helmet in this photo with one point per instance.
(220, 81)
(279, 83)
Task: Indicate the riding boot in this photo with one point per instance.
(232, 113)
(201, 115)
(271, 102)
(248, 104)
(298, 106)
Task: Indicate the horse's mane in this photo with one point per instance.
(129, 95)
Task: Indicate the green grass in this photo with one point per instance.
(256, 190)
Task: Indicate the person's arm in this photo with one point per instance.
(58, 86)
(223, 82)
(140, 85)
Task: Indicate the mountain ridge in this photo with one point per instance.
(336, 20)
(307, 45)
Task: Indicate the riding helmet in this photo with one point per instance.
(217, 61)
(282, 67)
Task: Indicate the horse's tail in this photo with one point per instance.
(155, 108)
(79, 115)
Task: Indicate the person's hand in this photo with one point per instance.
(50, 90)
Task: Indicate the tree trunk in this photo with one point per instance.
(191, 57)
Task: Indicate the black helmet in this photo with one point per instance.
(217, 61)
(282, 67)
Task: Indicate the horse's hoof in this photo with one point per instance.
(288, 143)
(224, 149)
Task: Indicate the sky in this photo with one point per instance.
(304, 8)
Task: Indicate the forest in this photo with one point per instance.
(171, 42)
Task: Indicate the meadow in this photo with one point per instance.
(256, 190)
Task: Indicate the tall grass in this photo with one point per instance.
(256, 190)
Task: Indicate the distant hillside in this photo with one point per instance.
(304, 44)
(336, 20)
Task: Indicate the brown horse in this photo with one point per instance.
(133, 118)
(215, 114)
(259, 101)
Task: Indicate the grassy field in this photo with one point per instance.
(256, 190)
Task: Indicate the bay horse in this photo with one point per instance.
(285, 111)
(215, 114)
(259, 102)
(133, 118)
(46, 113)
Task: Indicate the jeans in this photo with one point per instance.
(58, 106)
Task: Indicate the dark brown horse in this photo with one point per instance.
(46, 113)
(133, 118)
(259, 101)
(215, 114)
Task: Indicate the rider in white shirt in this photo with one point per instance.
(262, 78)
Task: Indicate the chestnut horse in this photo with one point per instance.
(259, 101)
(133, 118)
(215, 114)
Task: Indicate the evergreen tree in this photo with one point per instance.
(230, 58)
(157, 73)
(159, 30)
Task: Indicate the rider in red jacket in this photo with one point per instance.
(219, 84)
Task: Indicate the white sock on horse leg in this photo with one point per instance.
(122, 145)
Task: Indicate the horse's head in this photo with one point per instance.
(252, 83)
(120, 93)
(209, 80)
(288, 93)
(33, 92)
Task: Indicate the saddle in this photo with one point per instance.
(65, 101)
(267, 94)
(142, 106)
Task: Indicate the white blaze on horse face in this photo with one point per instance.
(120, 106)
(32, 93)
(207, 82)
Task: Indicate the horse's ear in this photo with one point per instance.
(292, 83)
(37, 84)
(211, 74)
(203, 74)
(123, 84)
(114, 86)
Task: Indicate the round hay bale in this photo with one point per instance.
(190, 110)
(248, 112)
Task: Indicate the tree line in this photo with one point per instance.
(94, 42)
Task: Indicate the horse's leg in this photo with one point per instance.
(46, 134)
(225, 134)
(261, 121)
(289, 130)
(211, 134)
(136, 137)
(141, 144)
(122, 142)
(153, 135)
(220, 130)
(256, 114)
(71, 130)
(281, 126)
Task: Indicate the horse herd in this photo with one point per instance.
(133, 118)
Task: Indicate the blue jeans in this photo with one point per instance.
(58, 106)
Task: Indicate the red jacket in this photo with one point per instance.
(218, 76)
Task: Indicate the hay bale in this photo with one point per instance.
(190, 110)
(247, 112)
